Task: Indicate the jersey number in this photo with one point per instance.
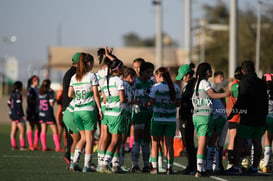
(80, 94)
(43, 105)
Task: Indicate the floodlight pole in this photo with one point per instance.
(258, 38)
(232, 38)
(187, 31)
(158, 5)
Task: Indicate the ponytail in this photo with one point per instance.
(44, 87)
(201, 73)
(83, 66)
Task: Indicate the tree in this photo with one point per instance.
(217, 50)
(132, 39)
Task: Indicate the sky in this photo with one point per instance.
(38, 24)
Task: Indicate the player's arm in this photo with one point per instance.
(71, 92)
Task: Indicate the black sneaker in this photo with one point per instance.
(146, 169)
(233, 171)
(188, 171)
(170, 171)
(136, 169)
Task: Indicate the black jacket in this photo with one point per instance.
(252, 103)
(66, 81)
(186, 108)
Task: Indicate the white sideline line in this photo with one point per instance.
(212, 177)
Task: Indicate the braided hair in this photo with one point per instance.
(201, 73)
(113, 67)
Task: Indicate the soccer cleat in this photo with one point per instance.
(118, 170)
(170, 171)
(201, 174)
(59, 150)
(14, 148)
(161, 170)
(265, 169)
(188, 171)
(154, 171)
(75, 167)
(98, 168)
(233, 171)
(105, 169)
(136, 169)
(124, 169)
(31, 148)
(23, 148)
(46, 149)
(146, 169)
(86, 169)
(37, 147)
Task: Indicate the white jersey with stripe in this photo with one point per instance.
(101, 75)
(113, 105)
(202, 103)
(164, 109)
(84, 95)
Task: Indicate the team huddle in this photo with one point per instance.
(120, 104)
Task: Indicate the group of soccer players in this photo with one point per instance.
(142, 103)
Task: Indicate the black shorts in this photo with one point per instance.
(47, 120)
(33, 117)
(232, 125)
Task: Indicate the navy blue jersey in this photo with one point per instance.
(46, 113)
(32, 101)
(15, 104)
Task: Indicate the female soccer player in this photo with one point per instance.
(17, 116)
(202, 114)
(129, 77)
(105, 60)
(141, 116)
(233, 123)
(164, 98)
(84, 88)
(113, 97)
(46, 115)
(33, 113)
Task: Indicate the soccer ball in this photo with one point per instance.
(261, 164)
(245, 163)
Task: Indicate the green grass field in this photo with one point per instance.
(37, 165)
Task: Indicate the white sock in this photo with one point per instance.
(77, 155)
(107, 159)
(87, 160)
(160, 161)
(115, 161)
(200, 164)
(267, 154)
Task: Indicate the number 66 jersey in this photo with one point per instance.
(84, 95)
